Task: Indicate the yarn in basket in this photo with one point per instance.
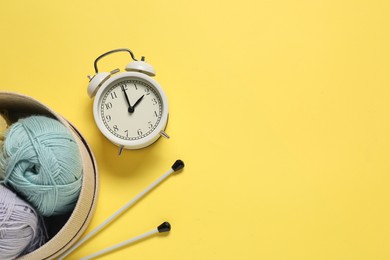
(21, 230)
(42, 163)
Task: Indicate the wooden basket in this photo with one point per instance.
(19, 105)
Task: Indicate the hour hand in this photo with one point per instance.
(131, 108)
(137, 102)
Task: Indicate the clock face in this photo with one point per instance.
(130, 108)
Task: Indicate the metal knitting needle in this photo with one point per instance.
(164, 227)
(178, 165)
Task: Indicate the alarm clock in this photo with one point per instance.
(130, 108)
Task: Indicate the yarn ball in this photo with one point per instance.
(4, 124)
(42, 163)
(21, 231)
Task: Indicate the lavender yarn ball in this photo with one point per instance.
(42, 163)
(21, 231)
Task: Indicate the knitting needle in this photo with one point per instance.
(178, 165)
(164, 227)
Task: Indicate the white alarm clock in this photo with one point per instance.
(130, 107)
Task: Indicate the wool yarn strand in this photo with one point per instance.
(21, 231)
(42, 163)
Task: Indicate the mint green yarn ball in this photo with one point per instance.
(41, 161)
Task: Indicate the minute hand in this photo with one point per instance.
(130, 109)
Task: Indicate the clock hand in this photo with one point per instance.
(137, 102)
(130, 109)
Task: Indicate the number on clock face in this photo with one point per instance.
(131, 109)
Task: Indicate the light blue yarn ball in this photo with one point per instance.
(42, 163)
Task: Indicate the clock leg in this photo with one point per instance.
(120, 150)
(162, 133)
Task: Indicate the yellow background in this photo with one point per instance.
(280, 110)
